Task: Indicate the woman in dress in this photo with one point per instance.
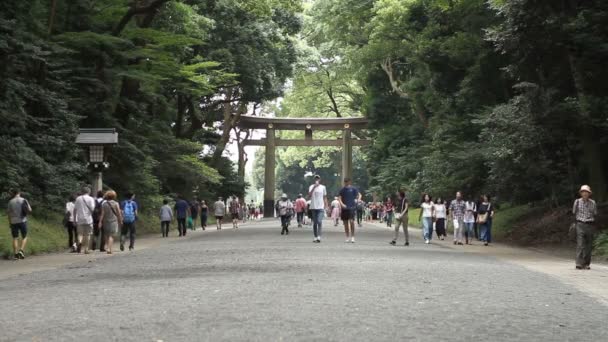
(484, 218)
(335, 211)
(427, 211)
(440, 218)
(110, 219)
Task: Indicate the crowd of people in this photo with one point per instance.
(93, 223)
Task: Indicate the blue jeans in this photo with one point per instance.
(486, 231)
(427, 228)
(469, 230)
(317, 221)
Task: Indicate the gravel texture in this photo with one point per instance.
(252, 284)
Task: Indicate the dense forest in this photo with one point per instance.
(503, 97)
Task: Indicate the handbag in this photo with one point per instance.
(483, 218)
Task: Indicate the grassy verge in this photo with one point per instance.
(47, 234)
(506, 217)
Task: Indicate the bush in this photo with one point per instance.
(601, 245)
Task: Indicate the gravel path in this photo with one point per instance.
(253, 284)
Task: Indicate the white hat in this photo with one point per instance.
(284, 196)
(585, 188)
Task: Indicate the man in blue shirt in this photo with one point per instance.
(182, 211)
(349, 195)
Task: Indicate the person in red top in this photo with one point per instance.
(388, 211)
(300, 208)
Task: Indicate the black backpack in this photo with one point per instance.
(97, 210)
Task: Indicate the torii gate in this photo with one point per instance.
(346, 125)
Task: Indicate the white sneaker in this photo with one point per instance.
(352, 240)
(427, 241)
(347, 240)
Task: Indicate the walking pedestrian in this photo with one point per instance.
(440, 218)
(388, 211)
(234, 208)
(182, 212)
(457, 209)
(98, 236)
(195, 207)
(401, 219)
(360, 211)
(318, 202)
(129, 211)
(300, 208)
(335, 211)
(285, 207)
(70, 224)
(166, 216)
(485, 214)
(204, 214)
(17, 210)
(109, 221)
(349, 195)
(83, 214)
(585, 211)
(469, 221)
(219, 210)
(427, 211)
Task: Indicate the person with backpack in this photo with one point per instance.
(70, 224)
(182, 212)
(129, 211)
(83, 215)
(17, 210)
(98, 236)
(219, 210)
(285, 208)
(109, 220)
(166, 216)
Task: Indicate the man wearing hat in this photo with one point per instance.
(584, 210)
(285, 207)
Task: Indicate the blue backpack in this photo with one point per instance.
(129, 212)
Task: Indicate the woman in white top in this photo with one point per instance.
(440, 216)
(70, 225)
(427, 211)
(469, 221)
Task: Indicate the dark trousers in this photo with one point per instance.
(585, 233)
(486, 231)
(164, 227)
(359, 216)
(285, 223)
(181, 226)
(204, 220)
(128, 228)
(300, 217)
(99, 237)
(72, 234)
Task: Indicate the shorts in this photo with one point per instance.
(219, 218)
(234, 216)
(84, 229)
(348, 214)
(19, 228)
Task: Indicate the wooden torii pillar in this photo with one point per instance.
(270, 125)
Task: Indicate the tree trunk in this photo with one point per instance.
(592, 155)
(52, 16)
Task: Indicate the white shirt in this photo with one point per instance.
(83, 207)
(69, 207)
(427, 209)
(317, 197)
(440, 211)
(469, 214)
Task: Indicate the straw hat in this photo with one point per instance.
(585, 188)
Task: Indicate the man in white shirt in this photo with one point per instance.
(83, 215)
(318, 202)
(219, 210)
